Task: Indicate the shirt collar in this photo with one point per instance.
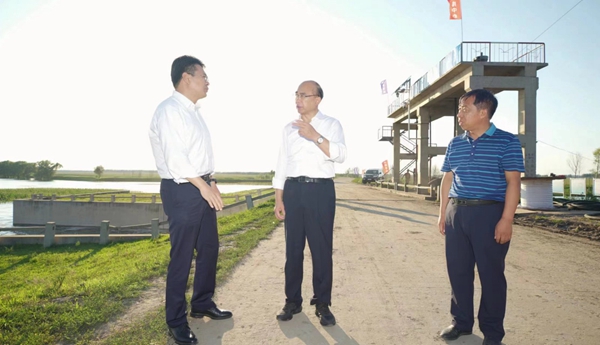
(487, 133)
(318, 117)
(185, 101)
(491, 130)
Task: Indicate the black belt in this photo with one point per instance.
(472, 202)
(308, 179)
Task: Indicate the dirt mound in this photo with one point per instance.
(568, 224)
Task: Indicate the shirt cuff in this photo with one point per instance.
(334, 151)
(278, 183)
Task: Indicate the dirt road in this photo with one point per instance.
(391, 286)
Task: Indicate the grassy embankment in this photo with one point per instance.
(60, 294)
(7, 195)
(152, 176)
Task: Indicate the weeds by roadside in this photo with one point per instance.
(60, 294)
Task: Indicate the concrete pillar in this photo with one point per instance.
(154, 198)
(527, 126)
(53, 197)
(237, 198)
(113, 198)
(423, 146)
(72, 197)
(155, 232)
(91, 197)
(249, 201)
(259, 192)
(133, 198)
(396, 142)
(104, 232)
(49, 233)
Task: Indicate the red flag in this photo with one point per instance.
(455, 9)
(385, 166)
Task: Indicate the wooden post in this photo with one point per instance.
(91, 197)
(72, 197)
(259, 192)
(113, 198)
(155, 232)
(237, 198)
(249, 201)
(104, 232)
(133, 198)
(154, 198)
(53, 197)
(49, 234)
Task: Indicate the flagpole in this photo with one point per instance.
(461, 31)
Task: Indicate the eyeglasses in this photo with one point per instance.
(205, 77)
(303, 96)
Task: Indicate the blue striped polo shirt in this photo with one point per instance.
(478, 166)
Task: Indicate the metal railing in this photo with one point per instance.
(517, 52)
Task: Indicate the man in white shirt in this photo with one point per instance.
(183, 152)
(305, 199)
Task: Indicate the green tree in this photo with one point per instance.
(23, 171)
(596, 170)
(99, 170)
(45, 170)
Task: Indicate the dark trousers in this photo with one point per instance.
(192, 225)
(469, 241)
(309, 215)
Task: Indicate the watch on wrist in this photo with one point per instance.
(320, 140)
(213, 180)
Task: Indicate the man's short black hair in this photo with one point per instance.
(183, 64)
(484, 99)
(319, 90)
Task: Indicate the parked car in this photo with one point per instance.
(372, 175)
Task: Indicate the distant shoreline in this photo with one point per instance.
(152, 176)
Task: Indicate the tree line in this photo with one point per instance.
(41, 171)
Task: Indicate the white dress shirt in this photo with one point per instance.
(302, 157)
(180, 140)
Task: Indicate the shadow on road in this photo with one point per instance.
(360, 209)
(300, 327)
(208, 332)
(387, 207)
(465, 340)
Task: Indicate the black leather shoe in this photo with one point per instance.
(183, 335)
(288, 311)
(214, 313)
(487, 341)
(452, 333)
(322, 311)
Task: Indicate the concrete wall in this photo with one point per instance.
(74, 213)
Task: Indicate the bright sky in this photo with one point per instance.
(80, 80)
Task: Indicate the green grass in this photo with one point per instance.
(59, 294)
(152, 176)
(7, 195)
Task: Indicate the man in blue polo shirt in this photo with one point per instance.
(480, 192)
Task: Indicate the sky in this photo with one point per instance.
(80, 79)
